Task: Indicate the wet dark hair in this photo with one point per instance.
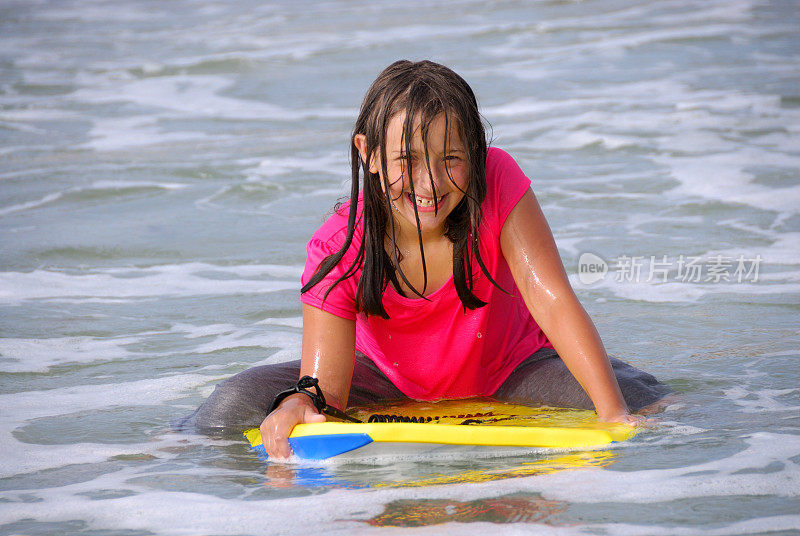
(423, 90)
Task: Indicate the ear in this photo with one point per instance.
(360, 141)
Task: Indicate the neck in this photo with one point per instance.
(407, 235)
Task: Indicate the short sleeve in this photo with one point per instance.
(341, 299)
(505, 186)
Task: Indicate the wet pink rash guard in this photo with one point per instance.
(434, 349)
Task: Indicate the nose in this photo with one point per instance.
(426, 180)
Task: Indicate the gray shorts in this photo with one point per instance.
(242, 401)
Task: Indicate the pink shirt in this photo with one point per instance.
(434, 349)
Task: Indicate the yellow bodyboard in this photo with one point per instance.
(472, 422)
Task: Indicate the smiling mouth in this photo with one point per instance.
(425, 202)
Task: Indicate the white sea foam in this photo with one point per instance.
(573, 194)
(131, 283)
(18, 408)
(684, 127)
(527, 106)
(634, 221)
(784, 250)
(228, 336)
(557, 139)
(49, 198)
(93, 13)
(125, 185)
(133, 132)
(22, 127)
(721, 477)
(762, 400)
(609, 45)
(342, 509)
(197, 96)
(23, 115)
(271, 174)
(242, 338)
(631, 16)
(193, 332)
(682, 291)
(567, 245)
(753, 229)
(96, 186)
(292, 322)
(260, 46)
(26, 405)
(39, 355)
(723, 177)
(677, 428)
(759, 525)
(334, 163)
(176, 97)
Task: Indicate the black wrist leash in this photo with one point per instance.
(318, 399)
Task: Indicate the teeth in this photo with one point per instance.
(422, 202)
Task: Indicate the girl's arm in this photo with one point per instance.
(328, 354)
(531, 253)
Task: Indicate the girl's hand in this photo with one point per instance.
(275, 430)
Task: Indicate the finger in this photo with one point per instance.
(266, 440)
(638, 420)
(645, 421)
(630, 420)
(310, 415)
(280, 448)
(279, 435)
(274, 440)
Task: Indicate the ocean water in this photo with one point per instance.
(162, 165)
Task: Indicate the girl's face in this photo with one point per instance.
(449, 189)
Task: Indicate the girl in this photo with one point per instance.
(440, 279)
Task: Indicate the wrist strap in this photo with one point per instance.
(317, 398)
